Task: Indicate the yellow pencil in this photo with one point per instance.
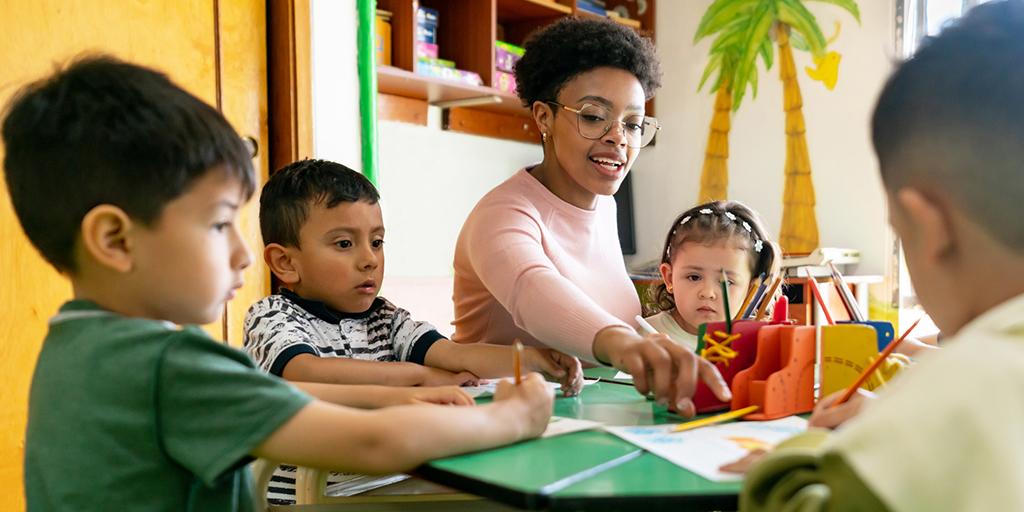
(517, 356)
(711, 420)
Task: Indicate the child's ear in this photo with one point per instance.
(926, 224)
(279, 259)
(666, 275)
(105, 237)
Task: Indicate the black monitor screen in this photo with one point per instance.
(624, 198)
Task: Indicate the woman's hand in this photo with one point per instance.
(661, 366)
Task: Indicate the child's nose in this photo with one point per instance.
(368, 258)
(242, 256)
(708, 291)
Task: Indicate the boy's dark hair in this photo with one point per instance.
(103, 131)
(712, 222)
(292, 189)
(557, 53)
(951, 119)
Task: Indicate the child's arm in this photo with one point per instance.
(342, 370)
(374, 397)
(490, 361)
(400, 438)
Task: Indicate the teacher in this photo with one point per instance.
(538, 258)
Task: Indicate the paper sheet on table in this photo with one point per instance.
(704, 450)
(623, 376)
(560, 425)
(486, 390)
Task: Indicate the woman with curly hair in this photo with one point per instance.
(538, 259)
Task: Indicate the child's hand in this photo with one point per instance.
(440, 395)
(532, 393)
(824, 416)
(437, 377)
(741, 466)
(564, 368)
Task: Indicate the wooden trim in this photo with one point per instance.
(490, 124)
(401, 109)
(289, 76)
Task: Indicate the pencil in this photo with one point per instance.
(874, 366)
(752, 307)
(711, 420)
(645, 325)
(725, 300)
(749, 297)
(817, 295)
(767, 299)
(517, 356)
(844, 293)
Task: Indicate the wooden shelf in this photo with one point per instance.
(399, 82)
(633, 24)
(520, 10)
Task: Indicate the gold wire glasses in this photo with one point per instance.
(594, 122)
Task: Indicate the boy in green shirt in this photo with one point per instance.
(949, 134)
(131, 187)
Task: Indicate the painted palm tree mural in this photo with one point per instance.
(745, 31)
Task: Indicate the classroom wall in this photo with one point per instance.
(430, 179)
(335, 81)
(850, 202)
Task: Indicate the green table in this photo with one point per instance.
(591, 470)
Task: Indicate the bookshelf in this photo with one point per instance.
(467, 30)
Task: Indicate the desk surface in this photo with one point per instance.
(591, 470)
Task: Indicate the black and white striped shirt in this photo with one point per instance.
(282, 326)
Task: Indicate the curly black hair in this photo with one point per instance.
(570, 46)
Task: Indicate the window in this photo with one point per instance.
(916, 19)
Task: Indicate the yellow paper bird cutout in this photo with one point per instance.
(827, 71)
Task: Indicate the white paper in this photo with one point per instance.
(560, 425)
(704, 450)
(487, 389)
(623, 376)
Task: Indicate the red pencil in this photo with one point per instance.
(874, 366)
(817, 295)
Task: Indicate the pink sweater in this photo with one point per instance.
(528, 265)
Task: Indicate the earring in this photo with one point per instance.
(544, 137)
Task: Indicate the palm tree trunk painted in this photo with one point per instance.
(714, 177)
(799, 233)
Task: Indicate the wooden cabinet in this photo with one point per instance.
(466, 33)
(216, 49)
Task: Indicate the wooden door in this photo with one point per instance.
(216, 49)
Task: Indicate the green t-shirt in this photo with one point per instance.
(137, 414)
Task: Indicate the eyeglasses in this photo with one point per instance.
(594, 122)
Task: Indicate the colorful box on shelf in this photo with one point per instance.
(591, 7)
(382, 38)
(426, 25)
(445, 69)
(505, 82)
(426, 50)
(506, 55)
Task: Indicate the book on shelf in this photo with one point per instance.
(817, 260)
